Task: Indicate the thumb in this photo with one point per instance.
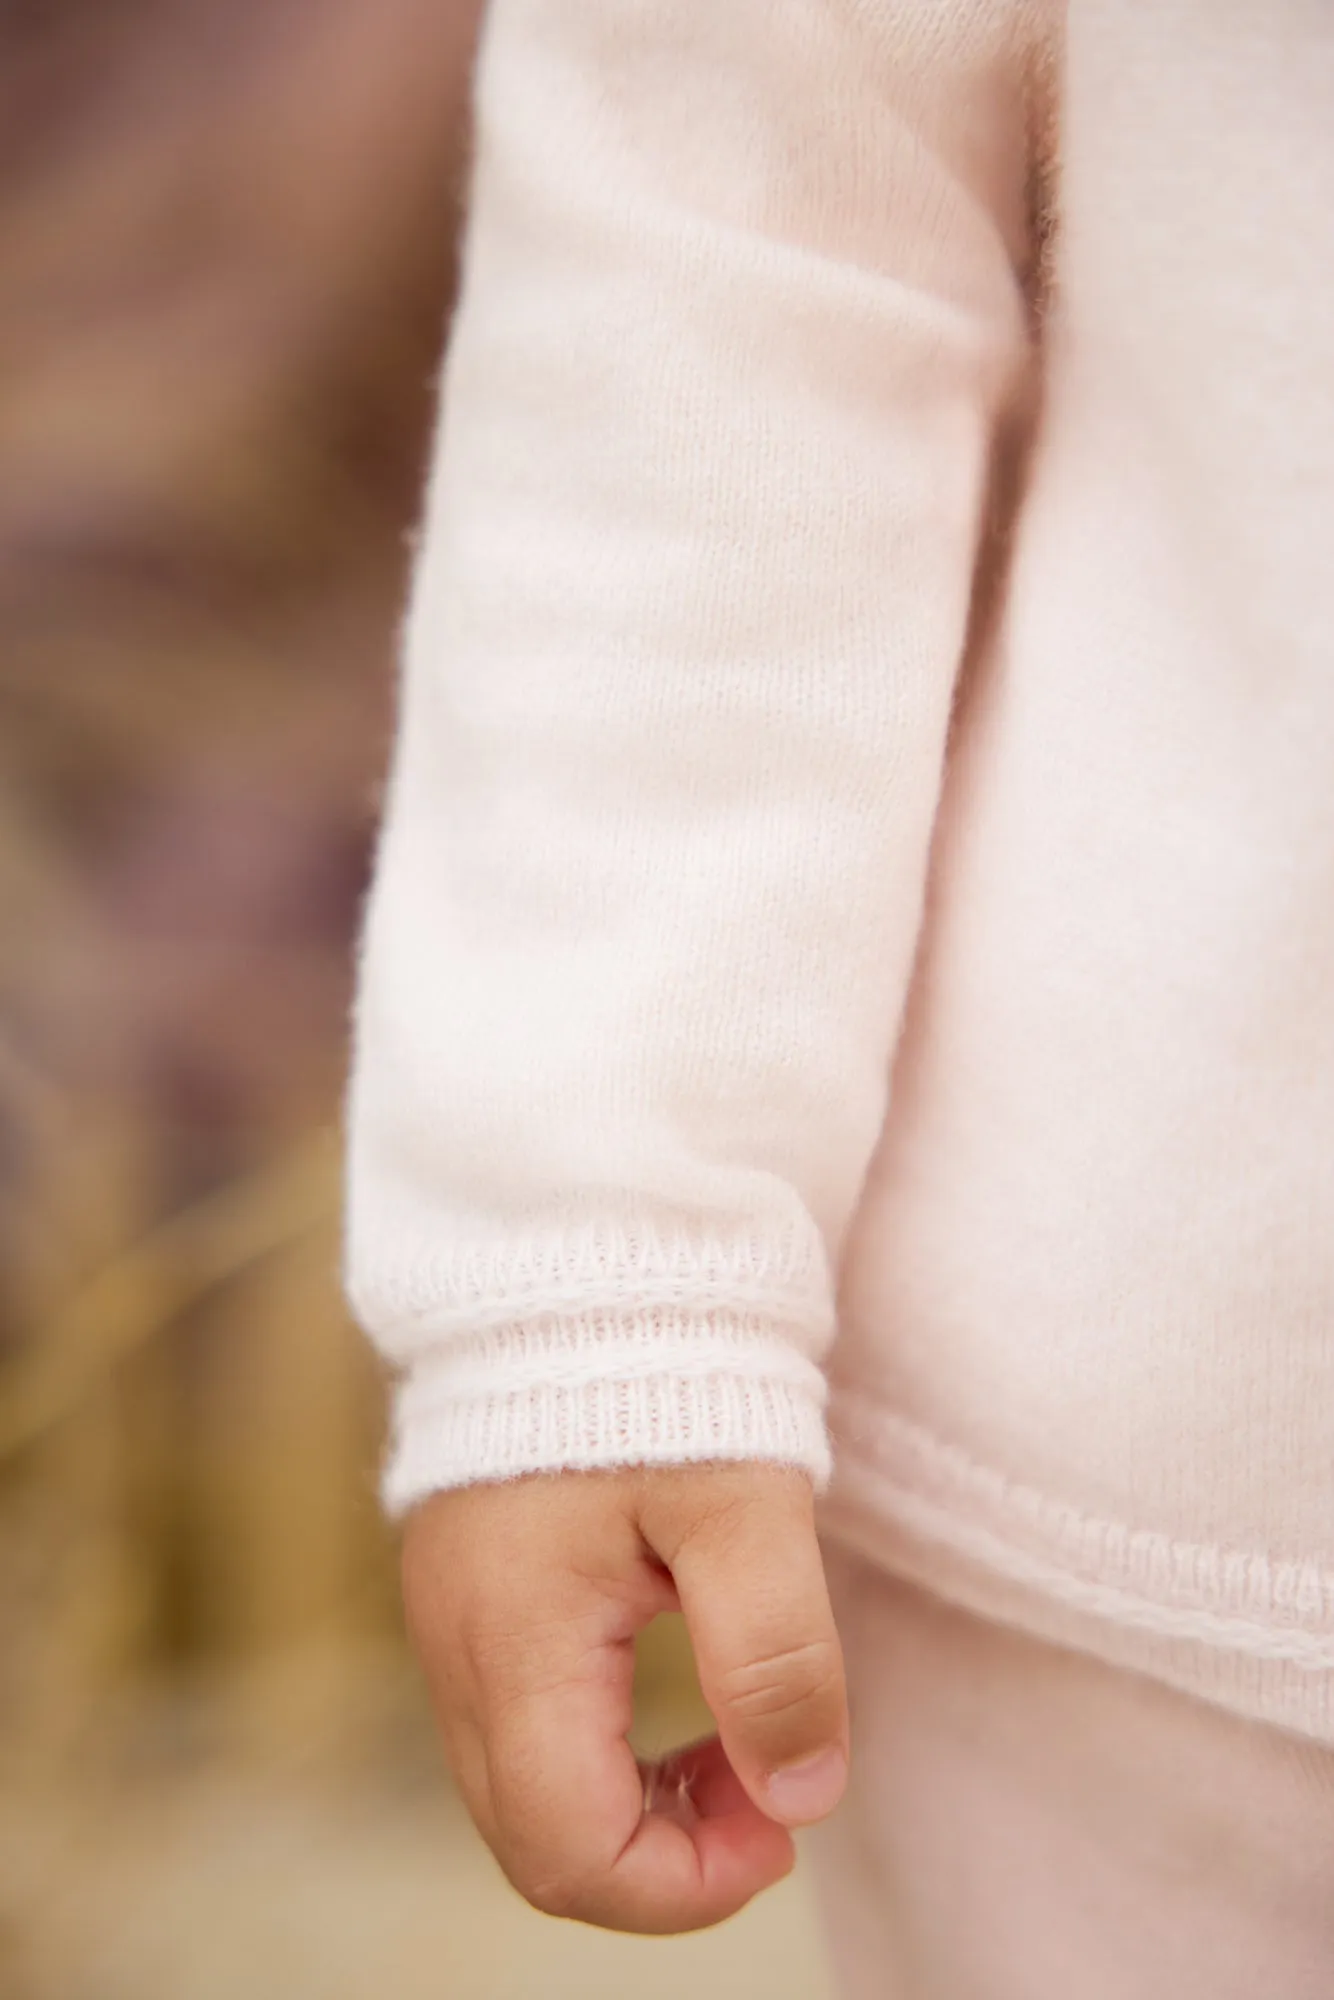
(749, 1575)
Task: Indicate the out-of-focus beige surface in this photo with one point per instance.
(338, 1895)
(214, 1877)
(227, 236)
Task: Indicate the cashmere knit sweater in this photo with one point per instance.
(852, 948)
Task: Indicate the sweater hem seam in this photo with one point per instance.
(935, 1493)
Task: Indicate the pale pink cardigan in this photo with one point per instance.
(875, 616)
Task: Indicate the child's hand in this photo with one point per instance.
(523, 1600)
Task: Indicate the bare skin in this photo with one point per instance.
(523, 1600)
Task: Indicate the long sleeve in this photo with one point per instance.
(741, 307)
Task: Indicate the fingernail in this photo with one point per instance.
(808, 1790)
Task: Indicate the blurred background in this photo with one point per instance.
(227, 235)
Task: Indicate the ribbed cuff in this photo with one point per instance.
(598, 1391)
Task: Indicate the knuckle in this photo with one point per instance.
(496, 1652)
(552, 1895)
(517, 1662)
(783, 1682)
(504, 1649)
(556, 1898)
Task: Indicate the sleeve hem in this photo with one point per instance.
(580, 1396)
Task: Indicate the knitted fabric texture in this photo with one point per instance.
(859, 856)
